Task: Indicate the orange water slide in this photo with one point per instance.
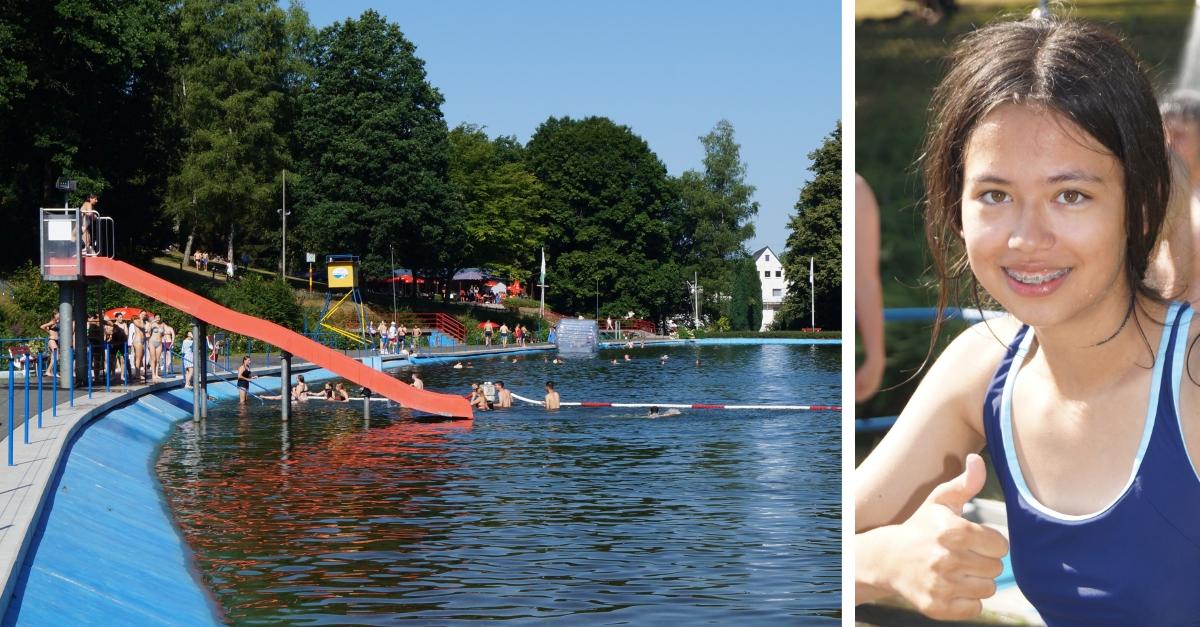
(290, 341)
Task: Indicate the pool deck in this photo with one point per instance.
(143, 419)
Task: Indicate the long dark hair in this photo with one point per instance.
(1076, 69)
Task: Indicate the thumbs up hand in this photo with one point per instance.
(942, 564)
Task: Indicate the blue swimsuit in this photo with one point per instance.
(1135, 562)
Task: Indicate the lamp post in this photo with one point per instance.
(283, 251)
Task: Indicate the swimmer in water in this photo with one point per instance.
(697, 362)
(300, 390)
(417, 383)
(614, 362)
(670, 412)
(627, 358)
(552, 398)
(478, 400)
(503, 396)
(458, 366)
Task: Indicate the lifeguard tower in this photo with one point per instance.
(342, 273)
(62, 261)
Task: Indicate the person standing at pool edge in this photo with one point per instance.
(244, 376)
(1047, 177)
(189, 359)
(552, 400)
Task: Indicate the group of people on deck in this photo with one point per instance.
(393, 339)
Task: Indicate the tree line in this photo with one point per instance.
(184, 115)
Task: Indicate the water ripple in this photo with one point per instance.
(590, 516)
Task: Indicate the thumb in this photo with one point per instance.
(956, 492)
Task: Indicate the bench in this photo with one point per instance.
(19, 351)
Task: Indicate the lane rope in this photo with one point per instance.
(684, 405)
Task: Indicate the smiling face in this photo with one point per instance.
(1043, 213)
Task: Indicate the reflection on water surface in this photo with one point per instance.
(593, 516)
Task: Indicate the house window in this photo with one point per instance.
(779, 273)
(767, 257)
(766, 274)
(776, 292)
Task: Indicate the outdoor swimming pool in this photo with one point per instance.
(593, 515)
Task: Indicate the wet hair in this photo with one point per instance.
(1077, 70)
(550, 384)
(500, 383)
(300, 378)
(654, 409)
(1183, 104)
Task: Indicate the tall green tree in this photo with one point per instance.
(84, 93)
(376, 153)
(717, 214)
(816, 232)
(745, 306)
(505, 223)
(236, 96)
(612, 211)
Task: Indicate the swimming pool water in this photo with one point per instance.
(582, 516)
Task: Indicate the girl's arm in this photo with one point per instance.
(910, 537)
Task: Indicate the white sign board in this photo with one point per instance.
(312, 257)
(59, 230)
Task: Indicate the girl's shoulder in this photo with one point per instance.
(979, 348)
(963, 372)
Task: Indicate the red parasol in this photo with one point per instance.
(485, 323)
(125, 313)
(489, 283)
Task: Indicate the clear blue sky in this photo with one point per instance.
(667, 69)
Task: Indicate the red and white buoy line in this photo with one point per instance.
(686, 406)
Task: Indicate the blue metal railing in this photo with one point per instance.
(929, 314)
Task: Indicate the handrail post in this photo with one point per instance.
(39, 376)
(10, 413)
(27, 399)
